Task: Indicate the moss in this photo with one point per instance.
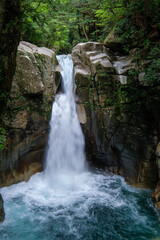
(2, 138)
(40, 62)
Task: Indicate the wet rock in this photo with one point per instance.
(2, 213)
(123, 64)
(81, 113)
(57, 82)
(156, 196)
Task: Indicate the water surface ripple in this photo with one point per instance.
(91, 206)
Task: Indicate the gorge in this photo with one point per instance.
(69, 200)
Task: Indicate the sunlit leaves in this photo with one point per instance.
(46, 23)
(63, 23)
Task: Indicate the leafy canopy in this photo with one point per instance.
(63, 23)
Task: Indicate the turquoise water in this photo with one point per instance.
(92, 206)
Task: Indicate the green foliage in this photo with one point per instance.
(109, 14)
(139, 24)
(152, 76)
(2, 137)
(61, 24)
(46, 23)
(109, 102)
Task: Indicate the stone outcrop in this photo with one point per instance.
(121, 130)
(156, 193)
(156, 196)
(112, 41)
(2, 213)
(28, 113)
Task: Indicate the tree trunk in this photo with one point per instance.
(85, 33)
(10, 28)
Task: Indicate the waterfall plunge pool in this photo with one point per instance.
(88, 206)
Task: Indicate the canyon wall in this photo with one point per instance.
(122, 127)
(28, 113)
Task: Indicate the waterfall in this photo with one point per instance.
(66, 202)
(66, 142)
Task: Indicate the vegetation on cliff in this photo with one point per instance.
(63, 23)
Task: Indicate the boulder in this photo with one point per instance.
(87, 46)
(123, 64)
(81, 113)
(35, 68)
(82, 77)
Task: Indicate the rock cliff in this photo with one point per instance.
(122, 127)
(28, 113)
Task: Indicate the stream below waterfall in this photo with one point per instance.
(68, 201)
(90, 206)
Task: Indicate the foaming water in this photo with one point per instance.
(97, 206)
(66, 142)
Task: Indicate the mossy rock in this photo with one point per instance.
(113, 42)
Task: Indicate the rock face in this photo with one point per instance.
(2, 213)
(28, 114)
(156, 193)
(121, 130)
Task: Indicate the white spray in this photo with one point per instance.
(66, 142)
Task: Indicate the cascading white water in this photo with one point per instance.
(66, 142)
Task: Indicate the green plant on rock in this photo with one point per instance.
(87, 104)
(109, 102)
(152, 76)
(2, 137)
(138, 23)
